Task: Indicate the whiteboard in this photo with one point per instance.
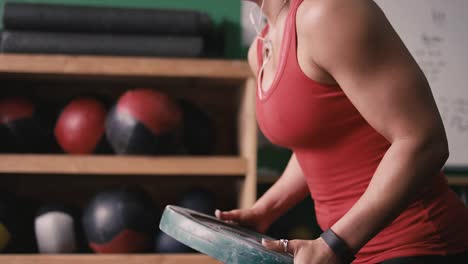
(436, 33)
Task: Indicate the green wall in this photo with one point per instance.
(223, 12)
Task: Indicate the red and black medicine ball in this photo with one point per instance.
(25, 127)
(144, 121)
(80, 128)
(120, 221)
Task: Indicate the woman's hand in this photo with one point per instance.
(290, 189)
(305, 251)
(251, 218)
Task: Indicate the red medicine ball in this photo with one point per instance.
(80, 127)
(144, 121)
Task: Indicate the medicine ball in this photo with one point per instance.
(144, 121)
(17, 224)
(81, 125)
(199, 200)
(120, 221)
(55, 228)
(25, 127)
(166, 244)
(7, 221)
(199, 133)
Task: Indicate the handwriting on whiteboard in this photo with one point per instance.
(435, 34)
(454, 112)
(439, 17)
(430, 56)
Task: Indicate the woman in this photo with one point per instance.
(337, 86)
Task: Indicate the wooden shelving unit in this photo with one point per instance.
(458, 180)
(108, 259)
(121, 165)
(226, 86)
(122, 66)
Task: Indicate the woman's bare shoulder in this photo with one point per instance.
(325, 15)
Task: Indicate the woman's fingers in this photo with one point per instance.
(233, 215)
(281, 246)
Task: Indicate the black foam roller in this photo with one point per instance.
(73, 18)
(95, 44)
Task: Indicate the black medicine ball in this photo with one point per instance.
(8, 217)
(166, 244)
(199, 132)
(198, 199)
(25, 127)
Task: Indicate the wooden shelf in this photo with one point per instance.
(122, 66)
(123, 165)
(225, 88)
(458, 180)
(108, 259)
(267, 179)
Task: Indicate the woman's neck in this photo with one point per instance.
(272, 8)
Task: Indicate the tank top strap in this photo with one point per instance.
(290, 31)
(296, 2)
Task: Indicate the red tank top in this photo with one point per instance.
(339, 152)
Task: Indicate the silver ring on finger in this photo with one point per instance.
(284, 242)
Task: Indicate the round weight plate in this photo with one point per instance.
(225, 242)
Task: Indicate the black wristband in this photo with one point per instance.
(338, 246)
